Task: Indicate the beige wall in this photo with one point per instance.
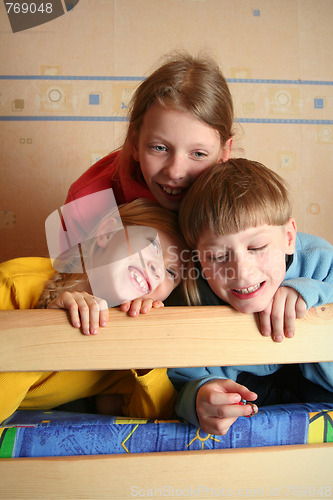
(277, 55)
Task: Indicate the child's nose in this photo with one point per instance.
(156, 270)
(244, 268)
(175, 168)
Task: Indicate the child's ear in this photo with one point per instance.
(226, 153)
(106, 230)
(291, 232)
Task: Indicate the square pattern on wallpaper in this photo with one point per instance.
(66, 85)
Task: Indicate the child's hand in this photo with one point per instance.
(217, 405)
(140, 305)
(278, 319)
(93, 311)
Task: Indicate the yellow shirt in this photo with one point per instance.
(22, 281)
(148, 396)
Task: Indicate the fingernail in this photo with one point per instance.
(278, 338)
(266, 334)
(254, 409)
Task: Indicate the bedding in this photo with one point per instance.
(29, 433)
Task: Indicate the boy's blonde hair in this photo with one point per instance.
(185, 82)
(232, 197)
(140, 212)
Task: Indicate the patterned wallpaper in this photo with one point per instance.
(65, 85)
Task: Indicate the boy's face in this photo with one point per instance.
(245, 269)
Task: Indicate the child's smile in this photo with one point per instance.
(139, 279)
(249, 292)
(135, 262)
(246, 268)
(173, 148)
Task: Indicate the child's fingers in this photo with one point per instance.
(216, 426)
(265, 322)
(290, 314)
(84, 309)
(146, 306)
(217, 404)
(300, 307)
(277, 317)
(135, 308)
(125, 307)
(67, 301)
(103, 311)
(89, 310)
(157, 304)
(103, 317)
(227, 410)
(97, 313)
(226, 391)
(89, 314)
(74, 314)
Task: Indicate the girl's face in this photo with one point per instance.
(173, 148)
(136, 261)
(245, 269)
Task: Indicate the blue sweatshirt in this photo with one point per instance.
(311, 275)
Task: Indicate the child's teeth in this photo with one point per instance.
(248, 290)
(172, 191)
(141, 281)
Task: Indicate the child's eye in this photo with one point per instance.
(258, 249)
(159, 147)
(199, 154)
(219, 258)
(156, 244)
(172, 273)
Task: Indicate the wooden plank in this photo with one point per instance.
(280, 472)
(44, 340)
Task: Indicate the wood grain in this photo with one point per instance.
(44, 340)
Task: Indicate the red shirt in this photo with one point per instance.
(125, 180)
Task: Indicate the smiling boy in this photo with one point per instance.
(253, 259)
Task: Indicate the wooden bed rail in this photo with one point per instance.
(44, 340)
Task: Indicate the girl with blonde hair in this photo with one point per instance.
(137, 393)
(73, 291)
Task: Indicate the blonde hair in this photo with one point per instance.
(231, 197)
(139, 212)
(189, 83)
